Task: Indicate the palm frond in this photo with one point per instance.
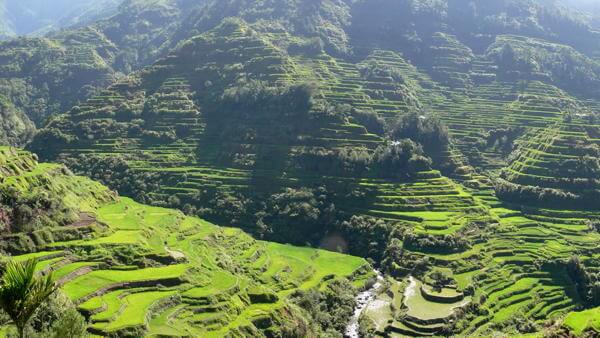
(22, 291)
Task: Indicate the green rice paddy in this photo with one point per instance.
(159, 272)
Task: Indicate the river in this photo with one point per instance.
(363, 300)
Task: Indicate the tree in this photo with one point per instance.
(400, 159)
(22, 292)
(507, 57)
(58, 318)
(427, 130)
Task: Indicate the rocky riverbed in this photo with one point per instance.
(363, 300)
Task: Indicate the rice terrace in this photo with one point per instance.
(299, 168)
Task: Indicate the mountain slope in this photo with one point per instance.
(47, 75)
(455, 143)
(35, 16)
(16, 126)
(342, 28)
(140, 270)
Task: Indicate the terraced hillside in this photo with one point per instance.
(563, 161)
(210, 151)
(442, 44)
(457, 149)
(45, 75)
(515, 279)
(134, 269)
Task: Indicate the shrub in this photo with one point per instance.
(370, 120)
(330, 308)
(400, 159)
(423, 129)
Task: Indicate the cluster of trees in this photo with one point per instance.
(115, 173)
(546, 197)
(400, 160)
(15, 126)
(561, 64)
(32, 210)
(308, 47)
(329, 309)
(500, 139)
(367, 236)
(594, 224)
(374, 70)
(401, 262)
(586, 281)
(49, 141)
(426, 130)
(435, 244)
(585, 167)
(369, 119)
(439, 279)
(297, 215)
(253, 96)
(352, 162)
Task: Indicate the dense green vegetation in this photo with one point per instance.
(16, 126)
(453, 143)
(43, 76)
(132, 269)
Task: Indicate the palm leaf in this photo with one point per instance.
(22, 291)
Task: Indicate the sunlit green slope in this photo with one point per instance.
(292, 124)
(135, 269)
